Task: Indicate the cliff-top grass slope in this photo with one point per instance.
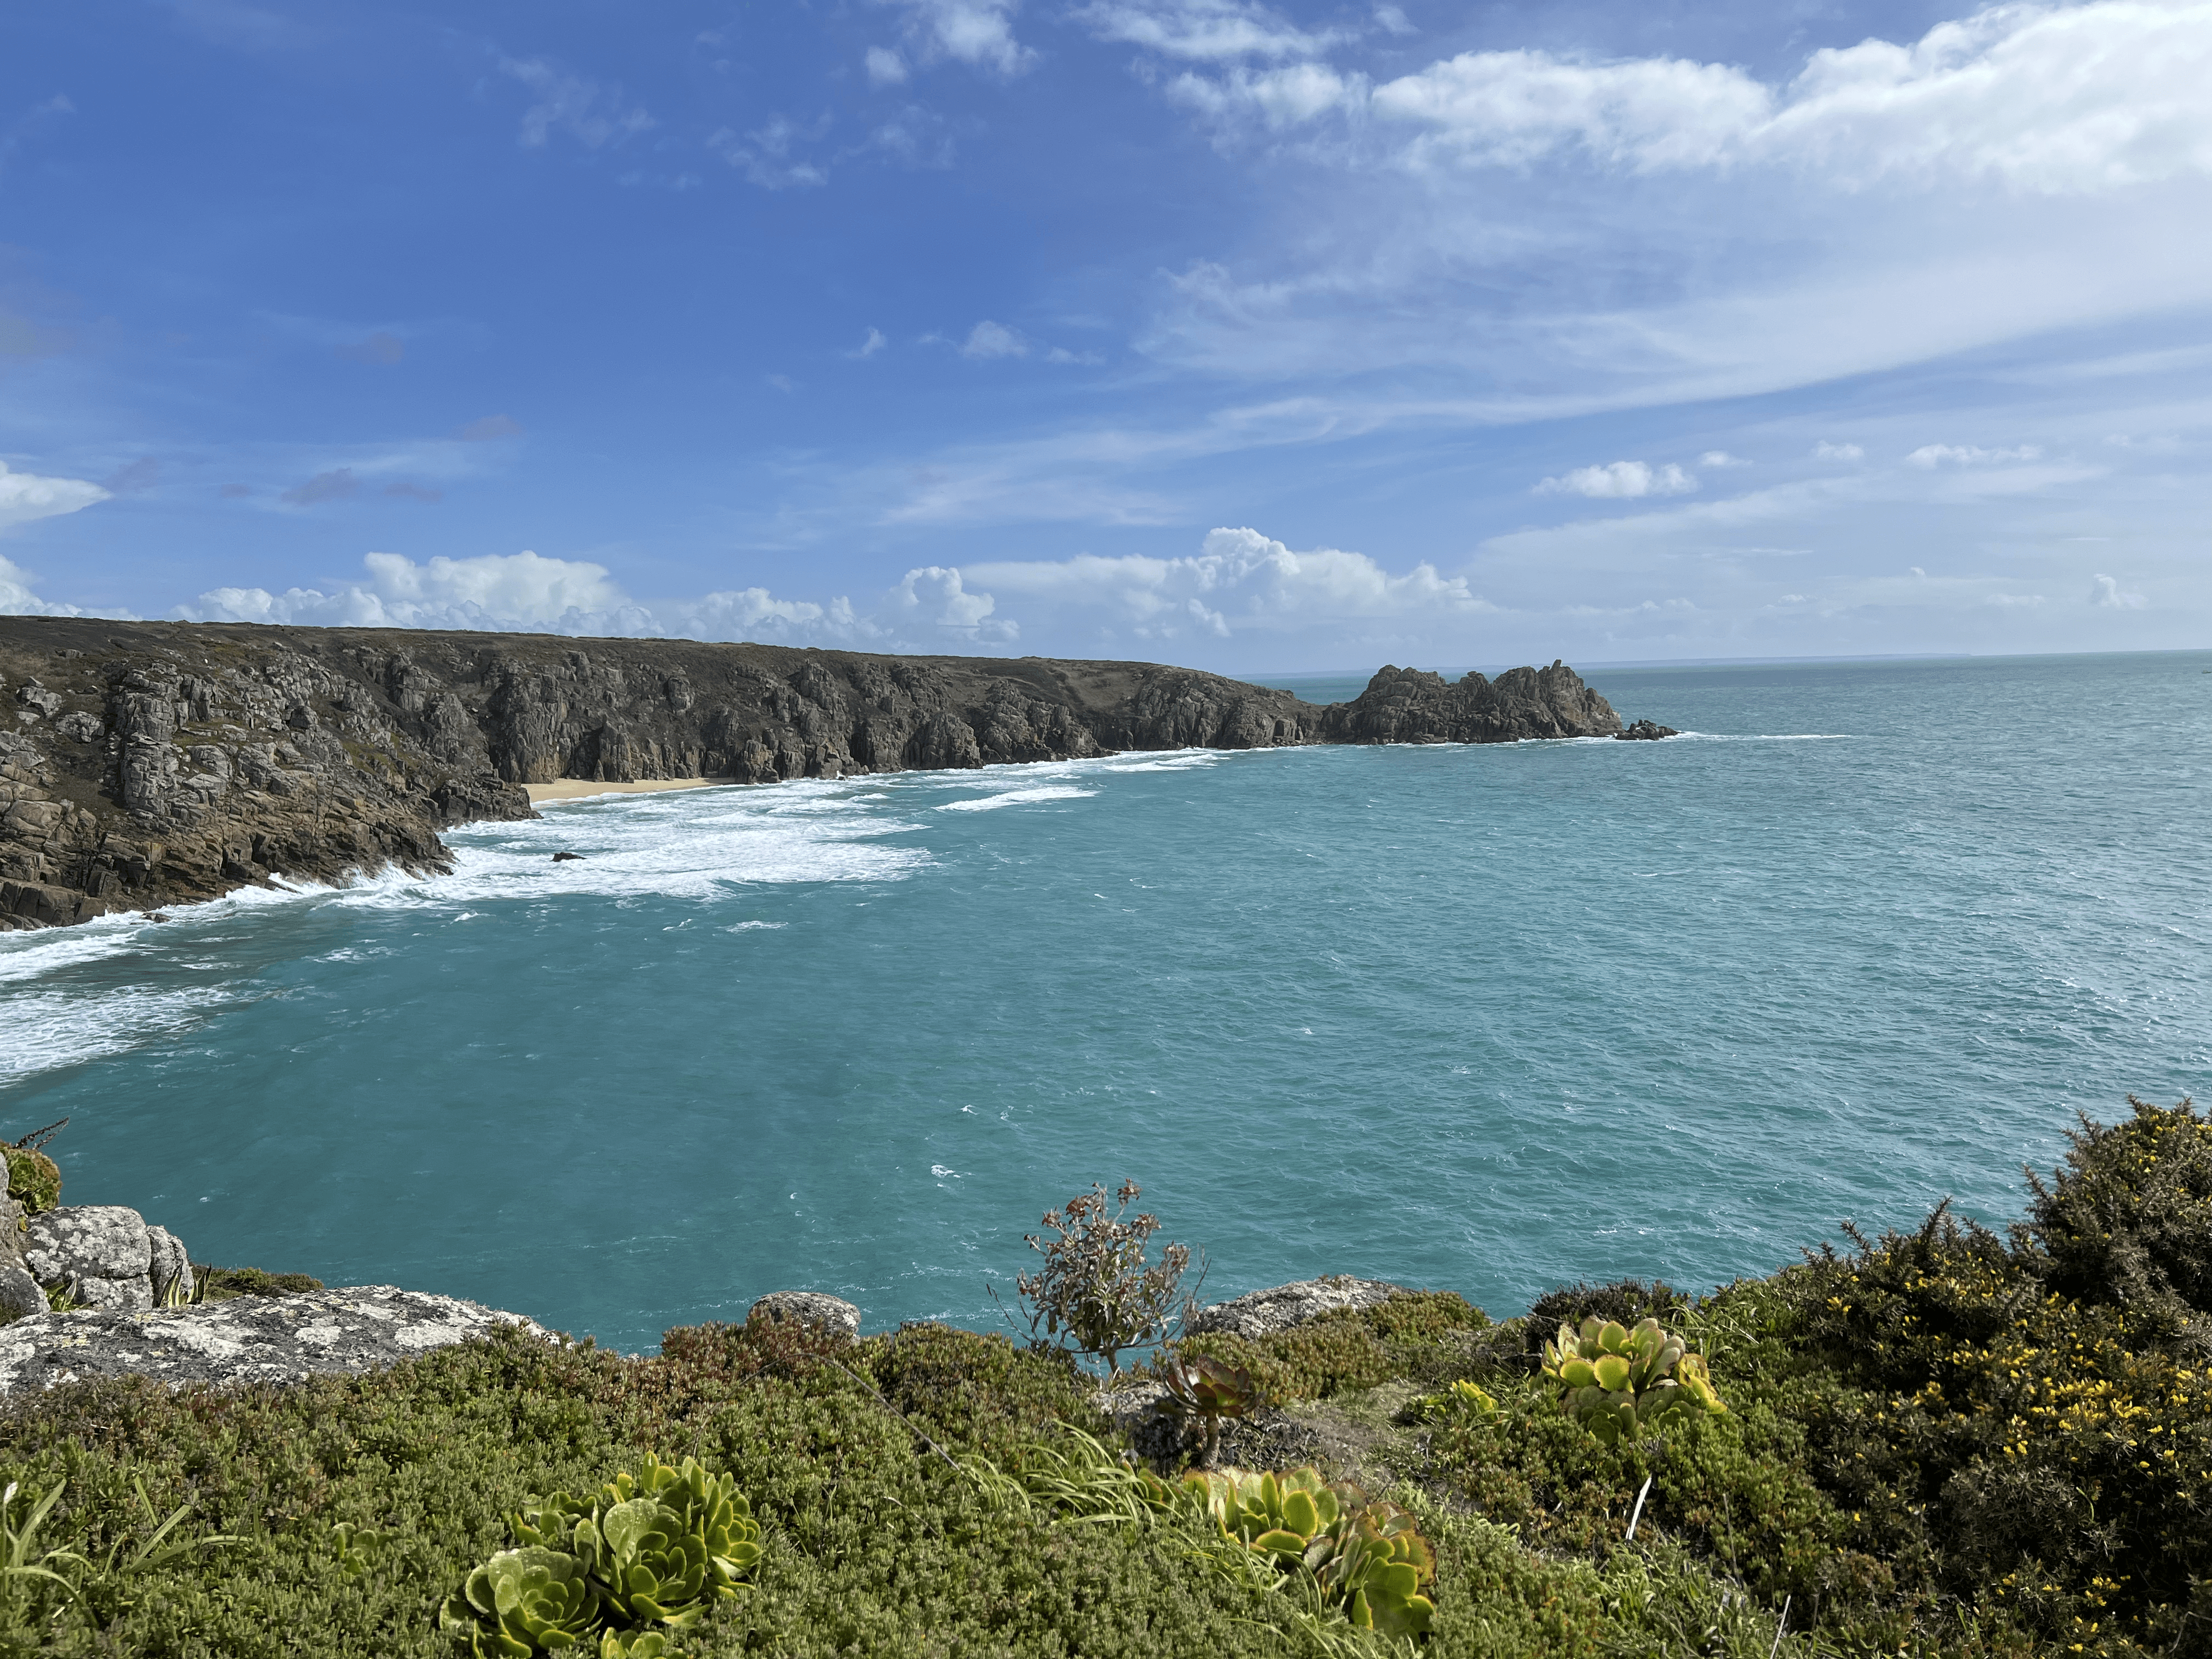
(1947, 1441)
(151, 763)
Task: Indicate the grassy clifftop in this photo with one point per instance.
(1943, 1442)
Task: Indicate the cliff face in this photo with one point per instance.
(160, 762)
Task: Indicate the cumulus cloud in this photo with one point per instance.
(1716, 459)
(26, 495)
(2106, 592)
(2045, 99)
(1276, 98)
(988, 340)
(1203, 29)
(1825, 451)
(1620, 481)
(17, 599)
(885, 68)
(1239, 579)
(1931, 456)
(593, 116)
(937, 594)
(978, 31)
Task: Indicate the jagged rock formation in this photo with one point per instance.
(1263, 1312)
(148, 764)
(249, 1338)
(831, 1313)
(1406, 705)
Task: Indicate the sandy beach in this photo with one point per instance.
(579, 788)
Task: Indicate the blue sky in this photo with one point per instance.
(1258, 337)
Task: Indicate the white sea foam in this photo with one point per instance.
(748, 926)
(47, 1029)
(1019, 798)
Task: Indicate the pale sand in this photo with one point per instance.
(578, 788)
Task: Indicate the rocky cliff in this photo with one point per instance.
(148, 764)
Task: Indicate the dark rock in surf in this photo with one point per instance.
(567, 858)
(1644, 730)
(1408, 705)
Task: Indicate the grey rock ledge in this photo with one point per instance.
(249, 1338)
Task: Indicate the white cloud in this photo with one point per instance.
(1825, 451)
(1717, 459)
(1203, 29)
(978, 31)
(988, 340)
(764, 154)
(2043, 99)
(590, 114)
(1935, 455)
(2104, 591)
(937, 596)
(1277, 99)
(869, 347)
(17, 599)
(1239, 580)
(25, 496)
(1620, 481)
(885, 68)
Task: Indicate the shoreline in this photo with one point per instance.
(583, 788)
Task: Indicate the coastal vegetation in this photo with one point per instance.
(1947, 1440)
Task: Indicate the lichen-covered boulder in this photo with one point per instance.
(1263, 1312)
(828, 1313)
(248, 1339)
(99, 1254)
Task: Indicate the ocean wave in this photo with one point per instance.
(50, 1029)
(1019, 798)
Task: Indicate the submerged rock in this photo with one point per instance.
(830, 1313)
(1265, 1312)
(249, 1338)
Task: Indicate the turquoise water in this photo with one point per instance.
(1478, 1018)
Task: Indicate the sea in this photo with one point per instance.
(1488, 1019)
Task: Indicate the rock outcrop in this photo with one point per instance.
(248, 1339)
(99, 1256)
(1407, 705)
(1263, 1312)
(144, 764)
(830, 1314)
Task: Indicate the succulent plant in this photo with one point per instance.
(524, 1602)
(1368, 1559)
(1209, 1390)
(1274, 1514)
(1615, 1381)
(648, 1550)
(1373, 1564)
(659, 1544)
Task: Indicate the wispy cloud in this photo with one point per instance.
(1203, 29)
(976, 32)
(765, 155)
(595, 116)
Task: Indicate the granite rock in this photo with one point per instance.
(99, 1254)
(828, 1313)
(249, 1338)
(1263, 1312)
(19, 1294)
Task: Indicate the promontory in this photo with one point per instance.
(144, 764)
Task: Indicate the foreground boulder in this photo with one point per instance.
(249, 1338)
(826, 1312)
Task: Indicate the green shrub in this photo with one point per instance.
(34, 1181)
(2127, 1219)
(221, 1283)
(1408, 1336)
